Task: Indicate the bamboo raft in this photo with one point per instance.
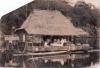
(50, 50)
(57, 48)
(40, 54)
(52, 53)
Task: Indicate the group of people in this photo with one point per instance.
(55, 42)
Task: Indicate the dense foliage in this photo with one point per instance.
(82, 15)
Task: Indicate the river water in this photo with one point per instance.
(62, 61)
(84, 60)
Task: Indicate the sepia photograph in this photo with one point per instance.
(50, 34)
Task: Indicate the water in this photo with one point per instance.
(63, 61)
(57, 61)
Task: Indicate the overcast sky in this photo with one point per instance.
(7, 6)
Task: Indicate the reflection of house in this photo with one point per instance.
(43, 23)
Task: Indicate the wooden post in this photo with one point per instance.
(98, 36)
(24, 66)
(1, 39)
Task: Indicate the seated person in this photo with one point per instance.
(63, 41)
(56, 42)
(47, 42)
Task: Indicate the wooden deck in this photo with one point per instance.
(39, 54)
(53, 53)
(56, 48)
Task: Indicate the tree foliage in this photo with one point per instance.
(81, 14)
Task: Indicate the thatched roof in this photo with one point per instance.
(48, 22)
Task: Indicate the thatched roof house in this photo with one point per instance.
(46, 22)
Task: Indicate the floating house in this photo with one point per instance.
(49, 24)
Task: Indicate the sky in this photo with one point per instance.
(7, 6)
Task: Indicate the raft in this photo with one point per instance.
(56, 48)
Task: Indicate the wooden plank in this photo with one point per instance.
(40, 54)
(55, 48)
(94, 50)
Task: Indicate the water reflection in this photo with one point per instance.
(54, 61)
(63, 61)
